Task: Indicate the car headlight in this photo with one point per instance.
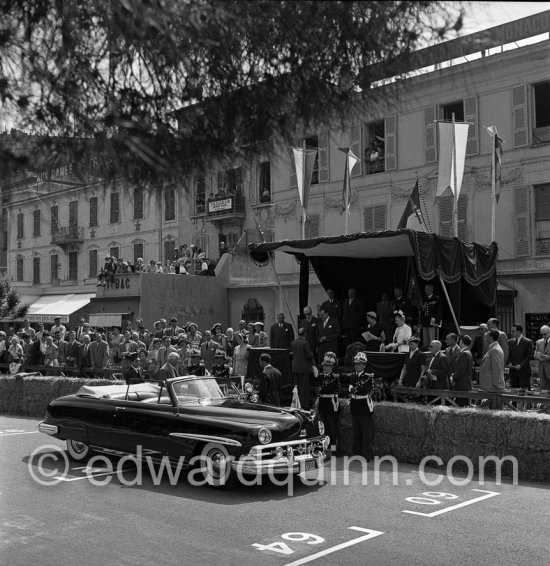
(321, 427)
(264, 436)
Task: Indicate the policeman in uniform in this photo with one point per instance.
(431, 315)
(220, 368)
(196, 367)
(361, 407)
(328, 384)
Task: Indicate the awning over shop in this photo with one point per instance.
(47, 307)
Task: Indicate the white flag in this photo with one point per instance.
(452, 143)
(304, 158)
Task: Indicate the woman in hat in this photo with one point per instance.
(261, 338)
(220, 367)
(193, 335)
(361, 407)
(218, 335)
(328, 384)
(400, 340)
(230, 342)
(373, 336)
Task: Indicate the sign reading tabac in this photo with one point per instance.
(217, 205)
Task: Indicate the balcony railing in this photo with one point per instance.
(68, 235)
(225, 206)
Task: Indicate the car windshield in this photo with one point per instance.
(194, 390)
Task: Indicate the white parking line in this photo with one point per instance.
(2, 434)
(458, 505)
(370, 534)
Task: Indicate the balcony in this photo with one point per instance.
(67, 236)
(226, 210)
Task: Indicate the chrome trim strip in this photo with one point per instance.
(48, 428)
(261, 447)
(208, 438)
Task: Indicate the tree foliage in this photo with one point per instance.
(10, 301)
(235, 74)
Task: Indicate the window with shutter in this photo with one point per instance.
(169, 247)
(519, 115)
(54, 218)
(73, 216)
(312, 226)
(138, 203)
(73, 266)
(541, 96)
(93, 211)
(446, 217)
(374, 218)
(92, 263)
(36, 270)
(169, 203)
(390, 139)
(36, 223)
(429, 134)
(200, 194)
(138, 251)
(54, 267)
(264, 181)
(115, 208)
(521, 219)
(19, 267)
(542, 219)
(114, 251)
(20, 225)
(470, 116)
(375, 147)
(355, 146)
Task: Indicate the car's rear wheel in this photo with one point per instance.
(78, 451)
(216, 466)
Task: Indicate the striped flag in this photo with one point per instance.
(351, 160)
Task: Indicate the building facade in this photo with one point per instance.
(59, 232)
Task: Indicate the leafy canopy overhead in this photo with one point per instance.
(169, 85)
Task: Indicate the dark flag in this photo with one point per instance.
(412, 207)
(498, 160)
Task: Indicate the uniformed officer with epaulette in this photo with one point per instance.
(220, 368)
(328, 384)
(196, 367)
(361, 407)
(431, 315)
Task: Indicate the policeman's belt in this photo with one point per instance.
(327, 395)
(360, 396)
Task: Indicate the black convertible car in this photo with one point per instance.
(188, 419)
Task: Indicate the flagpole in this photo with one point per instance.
(304, 201)
(346, 212)
(455, 192)
(493, 186)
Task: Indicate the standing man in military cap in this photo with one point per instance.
(361, 407)
(431, 315)
(328, 384)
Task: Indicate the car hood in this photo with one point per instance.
(241, 411)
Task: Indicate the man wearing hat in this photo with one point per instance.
(220, 368)
(302, 367)
(328, 384)
(414, 366)
(361, 407)
(173, 329)
(133, 373)
(196, 365)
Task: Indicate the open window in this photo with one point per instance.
(541, 95)
(375, 147)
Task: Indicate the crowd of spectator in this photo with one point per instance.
(184, 261)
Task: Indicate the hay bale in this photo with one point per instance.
(529, 431)
(403, 419)
(533, 465)
(404, 449)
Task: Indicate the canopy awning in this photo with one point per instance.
(449, 257)
(106, 319)
(47, 307)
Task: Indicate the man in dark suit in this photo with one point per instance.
(453, 350)
(437, 371)
(519, 357)
(132, 374)
(309, 323)
(415, 364)
(463, 366)
(332, 306)
(328, 332)
(431, 315)
(281, 334)
(72, 350)
(271, 382)
(477, 346)
(208, 350)
(84, 357)
(36, 355)
(302, 366)
(170, 368)
(353, 311)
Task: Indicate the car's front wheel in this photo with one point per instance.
(216, 467)
(78, 451)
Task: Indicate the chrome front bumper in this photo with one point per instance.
(300, 456)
